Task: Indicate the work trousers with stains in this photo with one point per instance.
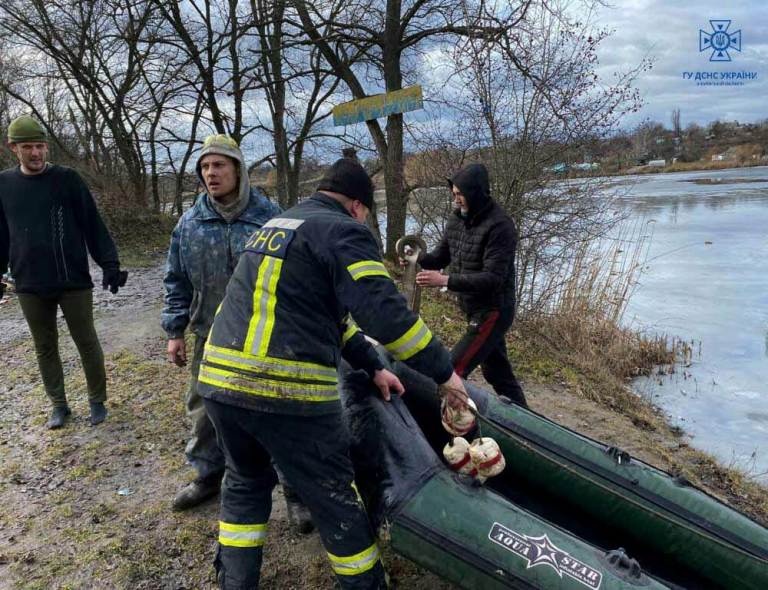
(77, 306)
(484, 344)
(313, 454)
(202, 450)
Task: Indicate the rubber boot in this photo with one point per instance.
(298, 514)
(98, 413)
(58, 417)
(197, 492)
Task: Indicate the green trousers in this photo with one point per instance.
(77, 307)
(202, 449)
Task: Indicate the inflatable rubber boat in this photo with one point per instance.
(567, 512)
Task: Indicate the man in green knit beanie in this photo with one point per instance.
(49, 225)
(24, 129)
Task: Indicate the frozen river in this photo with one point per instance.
(706, 280)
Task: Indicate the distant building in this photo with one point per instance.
(559, 168)
(729, 154)
(657, 163)
(586, 166)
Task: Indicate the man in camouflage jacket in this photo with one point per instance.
(204, 250)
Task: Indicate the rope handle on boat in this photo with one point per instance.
(649, 505)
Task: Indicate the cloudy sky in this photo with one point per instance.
(668, 32)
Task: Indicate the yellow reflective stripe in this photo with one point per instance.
(357, 492)
(351, 330)
(355, 564)
(271, 366)
(271, 302)
(264, 300)
(258, 295)
(367, 268)
(413, 341)
(242, 535)
(267, 388)
(281, 386)
(239, 354)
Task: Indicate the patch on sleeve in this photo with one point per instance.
(284, 223)
(270, 241)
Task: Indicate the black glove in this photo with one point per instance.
(114, 278)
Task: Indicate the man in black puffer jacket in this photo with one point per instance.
(479, 245)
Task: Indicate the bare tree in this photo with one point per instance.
(366, 40)
(296, 86)
(245, 59)
(95, 53)
(209, 37)
(529, 99)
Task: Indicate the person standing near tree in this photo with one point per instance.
(205, 247)
(49, 224)
(478, 247)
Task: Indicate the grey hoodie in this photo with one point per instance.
(224, 145)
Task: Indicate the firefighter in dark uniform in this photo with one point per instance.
(269, 374)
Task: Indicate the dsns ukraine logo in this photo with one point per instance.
(719, 41)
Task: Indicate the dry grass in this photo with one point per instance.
(579, 328)
(140, 236)
(595, 358)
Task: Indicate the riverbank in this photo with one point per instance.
(89, 507)
(691, 167)
(700, 166)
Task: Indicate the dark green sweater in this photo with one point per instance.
(48, 225)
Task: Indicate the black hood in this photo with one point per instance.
(473, 183)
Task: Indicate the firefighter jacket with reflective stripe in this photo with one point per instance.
(277, 338)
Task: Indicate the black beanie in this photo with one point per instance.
(347, 177)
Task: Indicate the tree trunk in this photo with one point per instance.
(394, 181)
(153, 161)
(178, 201)
(294, 172)
(282, 160)
(373, 225)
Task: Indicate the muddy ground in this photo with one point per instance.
(88, 507)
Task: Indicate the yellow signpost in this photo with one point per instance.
(378, 105)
